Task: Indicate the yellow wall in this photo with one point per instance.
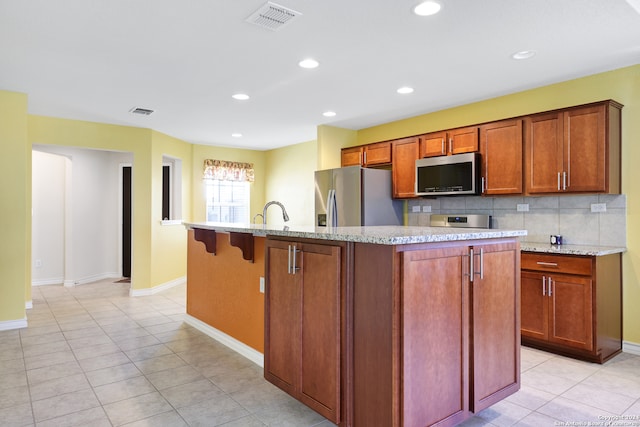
(202, 152)
(15, 215)
(291, 181)
(330, 140)
(622, 85)
(169, 242)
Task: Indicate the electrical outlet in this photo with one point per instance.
(522, 207)
(415, 209)
(262, 285)
(426, 209)
(598, 207)
(38, 263)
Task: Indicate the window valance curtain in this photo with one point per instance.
(228, 171)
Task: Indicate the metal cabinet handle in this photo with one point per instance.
(442, 149)
(289, 260)
(481, 263)
(558, 181)
(482, 184)
(544, 286)
(294, 268)
(564, 181)
(550, 292)
(471, 273)
(548, 264)
(451, 145)
(365, 157)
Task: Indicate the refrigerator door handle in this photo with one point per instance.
(332, 214)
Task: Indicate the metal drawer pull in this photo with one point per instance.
(544, 286)
(548, 264)
(289, 260)
(481, 263)
(471, 274)
(550, 287)
(294, 268)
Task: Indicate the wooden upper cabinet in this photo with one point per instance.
(574, 150)
(351, 156)
(377, 154)
(501, 150)
(403, 169)
(454, 141)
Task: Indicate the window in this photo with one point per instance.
(227, 190)
(227, 201)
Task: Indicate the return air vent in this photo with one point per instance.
(272, 16)
(141, 111)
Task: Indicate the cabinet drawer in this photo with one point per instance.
(556, 263)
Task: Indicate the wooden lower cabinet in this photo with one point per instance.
(304, 323)
(571, 305)
(430, 345)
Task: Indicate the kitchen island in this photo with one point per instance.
(376, 326)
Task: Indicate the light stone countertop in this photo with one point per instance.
(381, 235)
(587, 250)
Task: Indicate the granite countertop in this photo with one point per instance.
(382, 235)
(570, 249)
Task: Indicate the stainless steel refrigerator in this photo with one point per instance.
(355, 196)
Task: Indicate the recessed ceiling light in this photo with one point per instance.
(240, 96)
(308, 63)
(405, 89)
(524, 54)
(329, 113)
(236, 135)
(427, 8)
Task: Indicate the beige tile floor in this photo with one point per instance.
(93, 356)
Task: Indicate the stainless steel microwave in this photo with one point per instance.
(457, 175)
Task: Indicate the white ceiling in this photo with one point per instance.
(97, 59)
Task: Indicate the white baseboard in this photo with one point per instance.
(156, 289)
(28, 304)
(13, 324)
(45, 282)
(239, 347)
(631, 347)
(70, 283)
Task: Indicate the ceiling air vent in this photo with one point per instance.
(272, 16)
(141, 111)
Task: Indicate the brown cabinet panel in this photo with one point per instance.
(454, 141)
(570, 264)
(571, 311)
(496, 326)
(377, 154)
(405, 153)
(501, 149)
(574, 150)
(434, 144)
(351, 156)
(435, 366)
(585, 153)
(304, 318)
(534, 306)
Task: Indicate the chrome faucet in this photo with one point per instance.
(264, 211)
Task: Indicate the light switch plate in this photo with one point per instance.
(262, 285)
(522, 207)
(598, 207)
(415, 209)
(426, 209)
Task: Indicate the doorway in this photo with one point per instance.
(126, 222)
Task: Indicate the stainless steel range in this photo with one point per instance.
(463, 221)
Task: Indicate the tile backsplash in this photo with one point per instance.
(568, 215)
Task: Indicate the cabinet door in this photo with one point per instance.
(283, 313)
(403, 169)
(571, 311)
(463, 140)
(351, 156)
(435, 332)
(543, 153)
(321, 320)
(434, 144)
(501, 149)
(496, 323)
(377, 154)
(534, 306)
(585, 155)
